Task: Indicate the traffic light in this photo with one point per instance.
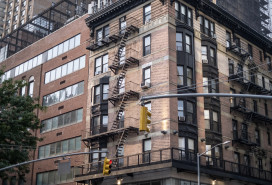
(107, 166)
(145, 116)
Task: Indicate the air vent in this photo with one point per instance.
(61, 107)
(62, 82)
(59, 134)
(63, 58)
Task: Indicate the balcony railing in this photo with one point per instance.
(244, 137)
(251, 81)
(132, 25)
(183, 158)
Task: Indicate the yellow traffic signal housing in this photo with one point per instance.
(145, 116)
(107, 166)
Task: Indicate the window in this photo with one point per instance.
(179, 46)
(260, 164)
(255, 106)
(207, 26)
(101, 64)
(265, 109)
(211, 120)
(228, 39)
(64, 94)
(22, 22)
(97, 94)
(261, 56)
(53, 177)
(189, 76)
(16, 8)
(205, 85)
(44, 57)
(212, 57)
(249, 48)
(268, 60)
(268, 138)
(235, 129)
(180, 75)
(181, 110)
(24, 4)
(190, 113)
(96, 125)
(146, 75)
(257, 137)
(65, 69)
(232, 99)
(207, 119)
(31, 86)
(147, 45)
(60, 147)
(23, 89)
(146, 150)
(263, 82)
(147, 13)
(122, 85)
(14, 26)
(188, 45)
(231, 67)
(102, 33)
(122, 55)
(123, 24)
(204, 54)
(69, 118)
(105, 91)
(183, 13)
(15, 18)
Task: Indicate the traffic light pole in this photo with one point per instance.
(53, 157)
(145, 98)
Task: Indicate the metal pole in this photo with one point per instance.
(198, 169)
(36, 160)
(144, 98)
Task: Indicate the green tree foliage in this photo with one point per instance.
(18, 124)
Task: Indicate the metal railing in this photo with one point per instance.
(247, 77)
(244, 136)
(180, 156)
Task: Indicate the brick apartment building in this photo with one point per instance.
(91, 72)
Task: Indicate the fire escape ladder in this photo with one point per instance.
(119, 112)
(120, 146)
(116, 62)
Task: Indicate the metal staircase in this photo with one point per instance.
(122, 98)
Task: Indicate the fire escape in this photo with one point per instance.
(125, 57)
(122, 61)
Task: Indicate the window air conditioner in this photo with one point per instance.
(205, 61)
(214, 36)
(97, 72)
(145, 85)
(181, 118)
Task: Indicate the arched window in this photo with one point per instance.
(23, 89)
(31, 86)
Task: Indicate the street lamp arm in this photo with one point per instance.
(210, 149)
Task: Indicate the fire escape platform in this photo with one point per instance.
(119, 97)
(114, 38)
(129, 61)
(237, 51)
(252, 115)
(110, 133)
(250, 86)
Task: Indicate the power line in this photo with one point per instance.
(194, 86)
